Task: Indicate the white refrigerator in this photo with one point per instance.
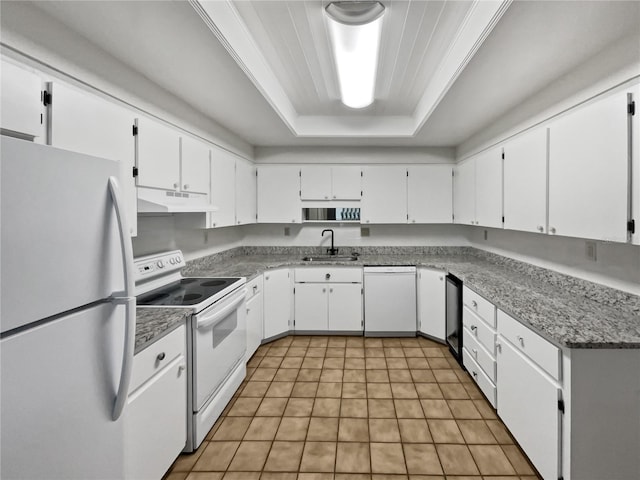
(67, 315)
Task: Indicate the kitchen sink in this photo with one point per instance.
(337, 258)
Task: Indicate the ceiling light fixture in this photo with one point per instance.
(354, 28)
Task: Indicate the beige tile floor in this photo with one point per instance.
(338, 408)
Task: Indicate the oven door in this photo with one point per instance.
(219, 342)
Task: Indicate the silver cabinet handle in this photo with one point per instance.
(255, 288)
(499, 347)
(473, 328)
(331, 290)
(175, 185)
(324, 290)
(186, 186)
(161, 356)
(540, 228)
(552, 230)
(181, 369)
(521, 340)
(474, 303)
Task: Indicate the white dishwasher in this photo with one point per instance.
(390, 301)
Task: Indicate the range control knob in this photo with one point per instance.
(160, 264)
(172, 261)
(178, 259)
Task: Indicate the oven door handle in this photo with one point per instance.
(223, 313)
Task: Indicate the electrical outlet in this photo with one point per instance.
(486, 234)
(591, 251)
(365, 231)
(287, 231)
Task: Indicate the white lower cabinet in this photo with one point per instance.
(277, 302)
(431, 303)
(156, 421)
(254, 315)
(528, 405)
(328, 299)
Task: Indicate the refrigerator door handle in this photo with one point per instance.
(125, 239)
(127, 356)
(127, 298)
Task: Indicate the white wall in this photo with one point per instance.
(355, 155)
(616, 265)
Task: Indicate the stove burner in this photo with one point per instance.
(213, 283)
(157, 297)
(191, 296)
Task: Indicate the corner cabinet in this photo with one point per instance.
(279, 194)
(384, 194)
(277, 302)
(328, 299)
(430, 194)
(156, 421)
(464, 193)
(245, 192)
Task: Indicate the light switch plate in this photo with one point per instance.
(365, 231)
(591, 250)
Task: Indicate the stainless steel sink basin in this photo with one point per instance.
(332, 258)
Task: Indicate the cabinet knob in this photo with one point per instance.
(175, 185)
(160, 356)
(334, 197)
(540, 228)
(474, 303)
(326, 197)
(324, 290)
(473, 328)
(552, 230)
(238, 222)
(266, 277)
(293, 221)
(475, 374)
(255, 288)
(331, 290)
(181, 369)
(367, 221)
(327, 276)
(413, 221)
(475, 352)
(213, 224)
(520, 340)
(186, 186)
(499, 347)
(441, 278)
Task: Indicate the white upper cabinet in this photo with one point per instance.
(194, 165)
(489, 188)
(588, 189)
(323, 182)
(346, 182)
(525, 182)
(157, 155)
(430, 194)
(88, 124)
(279, 194)
(464, 192)
(223, 187)
(245, 192)
(315, 182)
(635, 151)
(20, 96)
(384, 194)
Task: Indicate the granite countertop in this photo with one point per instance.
(567, 311)
(153, 323)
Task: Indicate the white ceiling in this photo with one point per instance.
(285, 93)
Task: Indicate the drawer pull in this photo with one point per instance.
(521, 340)
(181, 369)
(473, 328)
(160, 356)
(255, 289)
(498, 347)
(474, 303)
(475, 352)
(248, 310)
(475, 374)
(327, 276)
(324, 290)
(331, 290)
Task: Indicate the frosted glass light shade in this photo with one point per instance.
(355, 50)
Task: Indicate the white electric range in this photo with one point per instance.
(216, 333)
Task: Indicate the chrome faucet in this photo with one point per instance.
(332, 250)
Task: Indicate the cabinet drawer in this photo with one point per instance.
(156, 356)
(254, 287)
(478, 305)
(540, 351)
(480, 330)
(328, 275)
(481, 378)
(484, 359)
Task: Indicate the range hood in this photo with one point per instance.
(162, 201)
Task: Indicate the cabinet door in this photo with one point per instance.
(223, 187)
(245, 192)
(635, 169)
(431, 303)
(194, 165)
(311, 307)
(88, 124)
(20, 96)
(384, 194)
(156, 424)
(489, 188)
(254, 324)
(588, 188)
(525, 182)
(346, 183)
(430, 194)
(277, 302)
(464, 192)
(157, 155)
(345, 307)
(279, 194)
(528, 406)
(315, 182)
